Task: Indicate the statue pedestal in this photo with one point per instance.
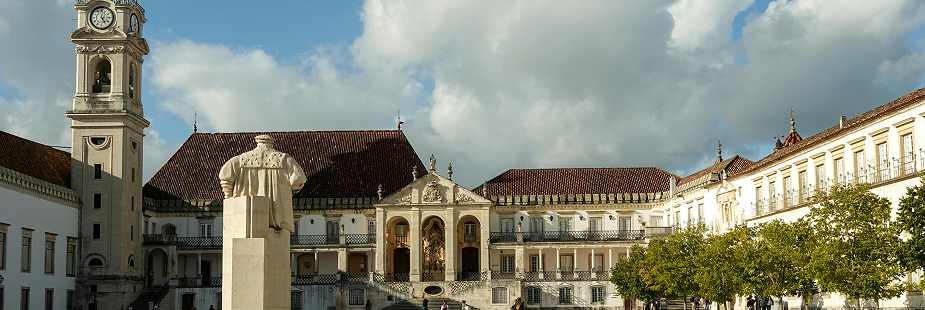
(255, 257)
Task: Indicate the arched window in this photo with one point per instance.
(131, 81)
(95, 262)
(102, 77)
(170, 229)
(131, 261)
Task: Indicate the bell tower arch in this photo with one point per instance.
(107, 123)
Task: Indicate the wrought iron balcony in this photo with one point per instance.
(199, 242)
(159, 239)
(581, 236)
(333, 240)
(360, 238)
(199, 282)
(496, 237)
(470, 238)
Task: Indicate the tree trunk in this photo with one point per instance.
(859, 303)
(781, 303)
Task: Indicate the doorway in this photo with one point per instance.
(205, 269)
(401, 262)
(186, 301)
(470, 259)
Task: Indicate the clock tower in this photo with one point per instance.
(107, 150)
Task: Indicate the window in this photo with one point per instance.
(49, 299)
(565, 295)
(597, 294)
(296, 297)
(170, 229)
(788, 191)
(655, 221)
(356, 297)
(804, 185)
(772, 195)
(597, 262)
(95, 262)
(68, 299)
(533, 295)
(536, 226)
(205, 230)
(507, 225)
(700, 218)
(2, 250)
(131, 261)
(97, 230)
(535, 263)
(24, 298)
(371, 227)
(907, 160)
(97, 200)
(499, 295)
(820, 177)
(859, 163)
(625, 223)
(50, 255)
(690, 216)
(507, 263)
(131, 82)
(840, 170)
(71, 257)
(131, 233)
(566, 263)
(883, 161)
(27, 252)
(596, 224)
(132, 205)
(565, 224)
(97, 171)
(469, 228)
(401, 229)
(133, 174)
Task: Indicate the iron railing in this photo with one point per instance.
(401, 239)
(432, 277)
(579, 236)
(658, 231)
(532, 276)
(159, 239)
(394, 277)
(360, 238)
(470, 238)
(470, 276)
(549, 275)
(503, 275)
(188, 282)
(199, 242)
(317, 279)
(496, 237)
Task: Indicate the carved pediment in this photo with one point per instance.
(433, 189)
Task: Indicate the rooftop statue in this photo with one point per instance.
(265, 171)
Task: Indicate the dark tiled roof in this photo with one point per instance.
(574, 181)
(338, 164)
(732, 166)
(860, 120)
(36, 160)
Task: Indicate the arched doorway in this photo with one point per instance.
(187, 300)
(398, 249)
(433, 266)
(357, 265)
(401, 261)
(470, 264)
(156, 269)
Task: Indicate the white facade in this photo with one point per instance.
(44, 213)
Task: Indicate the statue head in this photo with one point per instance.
(265, 141)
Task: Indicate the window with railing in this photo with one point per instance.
(356, 297)
(499, 295)
(296, 299)
(840, 170)
(533, 295)
(507, 263)
(401, 232)
(469, 233)
(597, 294)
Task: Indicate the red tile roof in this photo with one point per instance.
(574, 181)
(732, 166)
(861, 120)
(36, 160)
(338, 164)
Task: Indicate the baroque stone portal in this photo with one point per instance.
(267, 172)
(434, 248)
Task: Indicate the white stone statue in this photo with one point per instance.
(265, 171)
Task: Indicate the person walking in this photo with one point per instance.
(706, 304)
(768, 303)
(762, 303)
(696, 301)
(444, 306)
(751, 303)
(369, 305)
(424, 304)
(464, 306)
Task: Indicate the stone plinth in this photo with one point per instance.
(255, 257)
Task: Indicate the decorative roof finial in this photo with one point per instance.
(194, 123)
(380, 192)
(399, 120)
(414, 173)
(433, 163)
(449, 172)
(719, 151)
(792, 123)
(485, 189)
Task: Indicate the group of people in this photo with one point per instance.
(444, 306)
(661, 303)
(763, 303)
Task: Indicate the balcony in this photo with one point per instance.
(568, 236)
(159, 239)
(332, 240)
(199, 243)
(199, 282)
(470, 238)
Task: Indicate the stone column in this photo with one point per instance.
(450, 241)
(558, 266)
(315, 262)
(484, 253)
(519, 259)
(342, 260)
(380, 241)
(415, 227)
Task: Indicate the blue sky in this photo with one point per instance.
(490, 85)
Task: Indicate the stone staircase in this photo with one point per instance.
(150, 294)
(433, 304)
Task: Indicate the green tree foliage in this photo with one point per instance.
(721, 265)
(856, 251)
(778, 257)
(633, 277)
(672, 262)
(911, 219)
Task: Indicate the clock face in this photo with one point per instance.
(133, 23)
(101, 17)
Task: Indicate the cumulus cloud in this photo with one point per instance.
(496, 85)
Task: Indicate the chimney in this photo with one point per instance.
(671, 187)
(842, 122)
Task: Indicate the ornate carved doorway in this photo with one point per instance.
(434, 249)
